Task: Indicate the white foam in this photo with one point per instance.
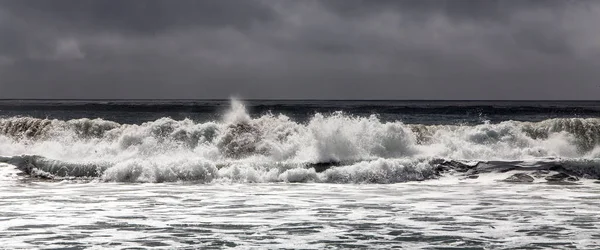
(254, 149)
(166, 170)
(380, 171)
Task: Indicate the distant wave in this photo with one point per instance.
(585, 108)
(274, 147)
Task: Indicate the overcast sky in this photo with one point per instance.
(335, 49)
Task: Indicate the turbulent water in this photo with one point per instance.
(299, 174)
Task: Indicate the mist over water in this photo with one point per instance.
(193, 173)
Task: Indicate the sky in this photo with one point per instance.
(300, 49)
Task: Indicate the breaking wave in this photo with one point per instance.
(338, 148)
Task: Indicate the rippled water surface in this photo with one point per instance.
(461, 214)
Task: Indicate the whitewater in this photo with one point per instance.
(308, 175)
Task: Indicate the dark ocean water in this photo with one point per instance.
(414, 112)
(213, 174)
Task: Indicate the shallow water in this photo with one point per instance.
(443, 213)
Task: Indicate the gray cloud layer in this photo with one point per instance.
(341, 49)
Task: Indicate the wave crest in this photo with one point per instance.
(370, 149)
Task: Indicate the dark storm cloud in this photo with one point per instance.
(141, 16)
(299, 49)
(473, 10)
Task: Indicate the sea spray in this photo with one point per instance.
(275, 147)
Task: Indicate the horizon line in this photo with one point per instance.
(295, 99)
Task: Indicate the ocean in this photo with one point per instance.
(299, 174)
